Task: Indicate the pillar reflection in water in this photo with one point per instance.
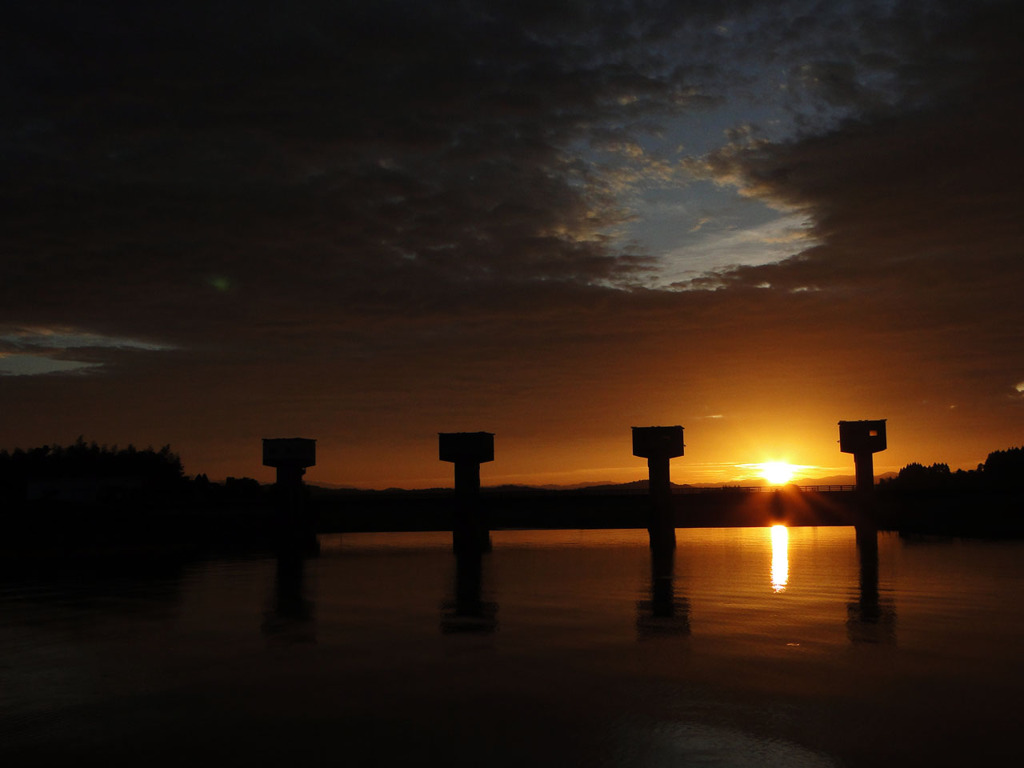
(290, 617)
(780, 557)
(665, 613)
(871, 619)
(468, 612)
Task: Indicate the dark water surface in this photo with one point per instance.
(752, 648)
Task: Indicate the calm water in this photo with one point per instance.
(753, 648)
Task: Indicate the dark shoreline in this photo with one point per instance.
(52, 530)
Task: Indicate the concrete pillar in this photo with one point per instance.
(864, 439)
(658, 445)
(864, 468)
(295, 529)
(467, 451)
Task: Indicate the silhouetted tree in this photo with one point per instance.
(919, 477)
(151, 471)
(1004, 470)
(1001, 471)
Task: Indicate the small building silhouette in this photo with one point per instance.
(862, 436)
(658, 442)
(289, 452)
(471, 447)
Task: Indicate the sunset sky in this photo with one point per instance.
(369, 222)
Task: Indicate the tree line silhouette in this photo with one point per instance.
(108, 471)
(81, 459)
(1001, 471)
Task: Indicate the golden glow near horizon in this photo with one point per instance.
(777, 472)
(780, 557)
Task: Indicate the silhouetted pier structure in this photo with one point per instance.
(658, 445)
(863, 439)
(473, 513)
(296, 527)
(467, 451)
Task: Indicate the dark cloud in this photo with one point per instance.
(924, 196)
(373, 209)
(340, 140)
(344, 145)
(916, 209)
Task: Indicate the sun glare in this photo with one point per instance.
(777, 472)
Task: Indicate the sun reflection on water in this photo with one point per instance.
(780, 557)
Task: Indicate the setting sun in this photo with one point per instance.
(777, 472)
